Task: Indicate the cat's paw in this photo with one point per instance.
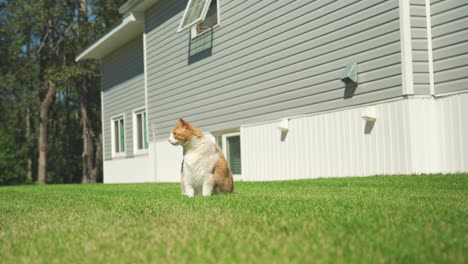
(189, 192)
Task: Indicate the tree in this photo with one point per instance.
(89, 88)
(57, 20)
(90, 164)
(50, 122)
(13, 99)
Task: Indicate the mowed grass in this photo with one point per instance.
(411, 219)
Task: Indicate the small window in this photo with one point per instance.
(201, 14)
(140, 131)
(118, 136)
(211, 20)
(232, 150)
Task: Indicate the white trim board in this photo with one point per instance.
(103, 138)
(137, 151)
(406, 48)
(429, 47)
(114, 153)
(224, 137)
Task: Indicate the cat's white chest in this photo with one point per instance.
(199, 164)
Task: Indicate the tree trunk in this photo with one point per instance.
(43, 133)
(98, 164)
(28, 137)
(82, 4)
(89, 163)
(89, 171)
(28, 116)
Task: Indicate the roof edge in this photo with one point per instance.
(130, 4)
(133, 23)
(136, 6)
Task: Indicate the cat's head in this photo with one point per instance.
(183, 133)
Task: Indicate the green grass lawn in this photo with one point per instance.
(412, 219)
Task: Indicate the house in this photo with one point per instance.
(288, 89)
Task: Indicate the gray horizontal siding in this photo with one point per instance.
(450, 45)
(419, 47)
(123, 90)
(271, 59)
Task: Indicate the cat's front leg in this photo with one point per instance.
(189, 190)
(208, 186)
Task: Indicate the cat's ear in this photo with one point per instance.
(182, 123)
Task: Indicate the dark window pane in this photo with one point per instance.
(116, 136)
(211, 16)
(139, 131)
(122, 136)
(234, 154)
(145, 131)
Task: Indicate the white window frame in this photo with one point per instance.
(224, 144)
(201, 18)
(193, 29)
(144, 150)
(116, 154)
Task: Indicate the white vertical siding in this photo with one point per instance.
(422, 134)
(326, 145)
(137, 169)
(439, 136)
(410, 136)
(453, 135)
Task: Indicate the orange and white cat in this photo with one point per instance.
(204, 168)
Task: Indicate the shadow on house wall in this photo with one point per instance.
(157, 20)
(200, 47)
(123, 65)
(350, 89)
(160, 13)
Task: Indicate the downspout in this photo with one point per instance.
(152, 151)
(102, 121)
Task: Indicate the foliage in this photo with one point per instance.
(396, 219)
(13, 154)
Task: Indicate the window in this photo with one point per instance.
(201, 14)
(140, 134)
(118, 136)
(232, 150)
